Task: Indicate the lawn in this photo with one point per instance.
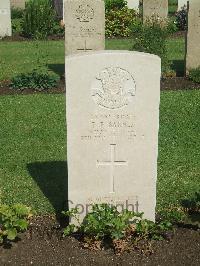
(33, 149)
(16, 57)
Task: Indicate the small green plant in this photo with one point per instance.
(37, 80)
(105, 224)
(17, 13)
(119, 22)
(171, 26)
(194, 75)
(17, 26)
(39, 17)
(151, 38)
(13, 219)
(58, 30)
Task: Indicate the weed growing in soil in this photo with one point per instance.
(194, 75)
(13, 219)
(38, 80)
(106, 226)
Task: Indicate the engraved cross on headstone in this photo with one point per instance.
(112, 163)
(85, 49)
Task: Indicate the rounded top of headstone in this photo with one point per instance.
(113, 52)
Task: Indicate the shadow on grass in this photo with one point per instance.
(179, 67)
(57, 68)
(52, 179)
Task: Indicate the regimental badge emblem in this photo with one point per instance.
(85, 13)
(113, 88)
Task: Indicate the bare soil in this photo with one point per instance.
(43, 245)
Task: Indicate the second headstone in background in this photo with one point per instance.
(5, 18)
(155, 8)
(84, 26)
(193, 36)
(133, 4)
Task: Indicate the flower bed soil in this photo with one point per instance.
(43, 245)
(6, 90)
(178, 83)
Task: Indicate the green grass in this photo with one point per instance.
(33, 149)
(179, 145)
(17, 57)
(33, 131)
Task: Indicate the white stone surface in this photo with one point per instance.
(5, 18)
(112, 103)
(181, 3)
(84, 26)
(193, 36)
(158, 8)
(133, 4)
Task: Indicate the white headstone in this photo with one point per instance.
(182, 3)
(155, 8)
(134, 4)
(112, 103)
(5, 18)
(193, 36)
(84, 26)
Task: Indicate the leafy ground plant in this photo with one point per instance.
(151, 37)
(106, 226)
(13, 219)
(194, 75)
(37, 79)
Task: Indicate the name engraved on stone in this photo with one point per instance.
(85, 13)
(113, 88)
(107, 126)
(3, 11)
(87, 32)
(112, 163)
(82, 31)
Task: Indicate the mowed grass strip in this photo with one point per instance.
(22, 57)
(33, 150)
